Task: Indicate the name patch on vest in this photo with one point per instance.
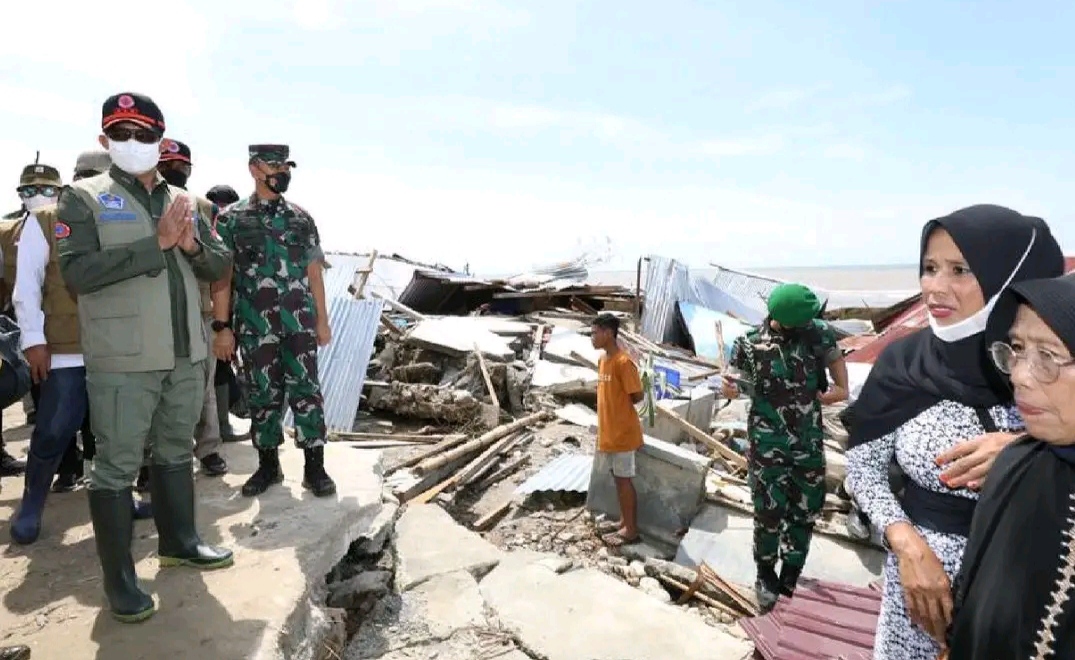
(118, 216)
(111, 201)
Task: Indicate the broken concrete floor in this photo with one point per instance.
(263, 607)
(463, 599)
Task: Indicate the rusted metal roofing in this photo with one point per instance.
(915, 318)
(824, 620)
(568, 472)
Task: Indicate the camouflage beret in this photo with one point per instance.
(40, 175)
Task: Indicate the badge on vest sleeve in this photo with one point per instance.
(110, 201)
(62, 230)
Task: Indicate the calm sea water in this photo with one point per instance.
(838, 278)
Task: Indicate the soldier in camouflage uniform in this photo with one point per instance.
(280, 318)
(784, 363)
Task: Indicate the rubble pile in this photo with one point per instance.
(492, 418)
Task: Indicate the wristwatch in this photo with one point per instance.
(218, 325)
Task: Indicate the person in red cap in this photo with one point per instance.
(175, 166)
(132, 248)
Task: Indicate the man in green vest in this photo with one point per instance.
(47, 316)
(133, 251)
(38, 187)
(280, 318)
(175, 166)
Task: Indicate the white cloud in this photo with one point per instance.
(784, 99)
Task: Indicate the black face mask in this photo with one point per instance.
(278, 182)
(175, 177)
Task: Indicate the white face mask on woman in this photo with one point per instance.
(134, 157)
(976, 322)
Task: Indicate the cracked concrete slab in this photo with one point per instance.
(262, 608)
(429, 543)
(588, 614)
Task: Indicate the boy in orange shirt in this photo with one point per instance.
(619, 431)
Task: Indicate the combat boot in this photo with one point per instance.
(314, 477)
(178, 544)
(69, 473)
(267, 474)
(789, 579)
(766, 588)
(113, 530)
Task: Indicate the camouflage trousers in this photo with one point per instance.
(279, 371)
(787, 484)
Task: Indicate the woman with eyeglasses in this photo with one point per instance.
(1014, 592)
(935, 406)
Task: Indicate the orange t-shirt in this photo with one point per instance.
(618, 426)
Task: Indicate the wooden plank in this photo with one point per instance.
(364, 274)
(486, 377)
(727, 453)
(485, 522)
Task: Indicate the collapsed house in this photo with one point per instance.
(482, 393)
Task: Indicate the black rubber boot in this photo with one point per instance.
(314, 477)
(789, 579)
(113, 529)
(69, 473)
(223, 411)
(142, 483)
(767, 588)
(14, 652)
(267, 474)
(172, 488)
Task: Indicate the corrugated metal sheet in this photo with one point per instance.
(390, 276)
(669, 282)
(824, 620)
(342, 273)
(751, 289)
(569, 472)
(342, 364)
(915, 318)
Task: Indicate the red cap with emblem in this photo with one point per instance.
(131, 107)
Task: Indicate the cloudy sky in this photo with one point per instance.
(504, 133)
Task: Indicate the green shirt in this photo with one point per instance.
(87, 268)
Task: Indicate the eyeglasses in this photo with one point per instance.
(143, 135)
(26, 192)
(1044, 366)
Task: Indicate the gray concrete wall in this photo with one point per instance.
(671, 488)
(698, 410)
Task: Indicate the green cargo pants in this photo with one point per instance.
(135, 412)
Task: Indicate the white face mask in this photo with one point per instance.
(977, 322)
(37, 202)
(134, 157)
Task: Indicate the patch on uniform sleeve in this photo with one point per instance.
(62, 230)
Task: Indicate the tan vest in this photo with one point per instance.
(9, 239)
(204, 208)
(60, 307)
(127, 327)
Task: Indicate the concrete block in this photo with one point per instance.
(269, 605)
(446, 604)
(698, 410)
(430, 543)
(670, 482)
(589, 614)
(722, 538)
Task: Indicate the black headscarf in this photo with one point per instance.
(916, 372)
(1021, 526)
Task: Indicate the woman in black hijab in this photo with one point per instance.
(931, 398)
(1014, 598)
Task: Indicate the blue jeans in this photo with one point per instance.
(60, 412)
